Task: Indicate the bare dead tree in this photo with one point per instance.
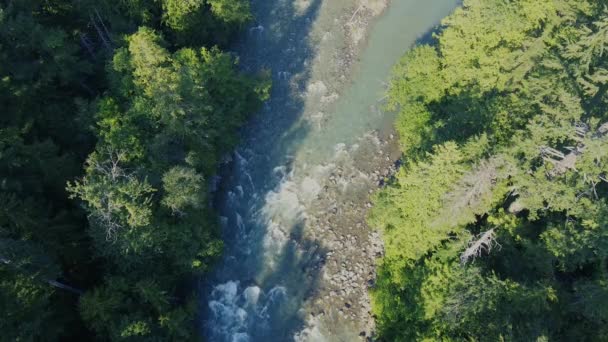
(101, 32)
(53, 283)
(583, 194)
(63, 286)
(603, 129)
(110, 167)
(473, 193)
(105, 29)
(581, 129)
(549, 152)
(105, 217)
(483, 244)
(564, 162)
(354, 14)
(561, 162)
(593, 182)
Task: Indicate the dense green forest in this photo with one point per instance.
(496, 225)
(114, 115)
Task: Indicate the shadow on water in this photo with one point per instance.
(268, 268)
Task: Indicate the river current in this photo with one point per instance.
(311, 150)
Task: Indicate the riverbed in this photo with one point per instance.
(299, 258)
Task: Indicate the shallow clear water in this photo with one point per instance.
(320, 107)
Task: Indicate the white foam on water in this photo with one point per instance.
(258, 29)
(275, 295)
(274, 241)
(280, 171)
(283, 205)
(239, 223)
(234, 313)
(231, 198)
(240, 337)
(227, 290)
(239, 189)
(283, 75)
(252, 295)
(227, 316)
(282, 211)
(248, 175)
(242, 235)
(240, 159)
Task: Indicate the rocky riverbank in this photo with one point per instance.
(345, 248)
(348, 247)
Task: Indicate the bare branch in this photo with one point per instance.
(484, 244)
(103, 25)
(551, 152)
(110, 167)
(564, 162)
(101, 33)
(59, 285)
(603, 129)
(354, 14)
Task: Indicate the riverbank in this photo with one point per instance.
(340, 306)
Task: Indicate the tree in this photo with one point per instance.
(235, 12)
(183, 189)
(29, 279)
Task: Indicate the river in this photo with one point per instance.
(299, 257)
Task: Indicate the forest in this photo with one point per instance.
(496, 225)
(114, 117)
(116, 114)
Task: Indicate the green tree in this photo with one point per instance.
(183, 189)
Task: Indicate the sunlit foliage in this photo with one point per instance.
(496, 226)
